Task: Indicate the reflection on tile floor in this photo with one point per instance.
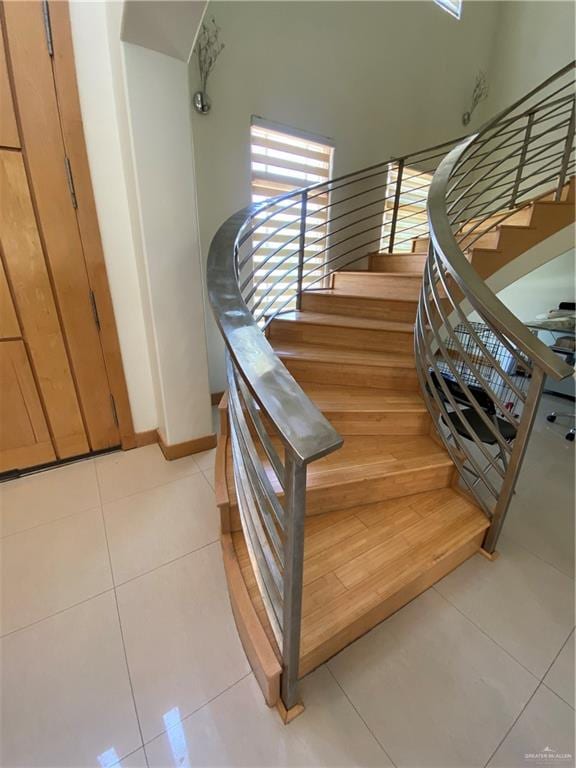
(118, 645)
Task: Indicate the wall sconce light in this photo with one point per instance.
(479, 93)
(208, 48)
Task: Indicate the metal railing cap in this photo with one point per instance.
(482, 298)
(301, 426)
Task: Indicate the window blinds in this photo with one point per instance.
(282, 161)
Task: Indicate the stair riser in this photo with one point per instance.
(335, 336)
(340, 496)
(409, 262)
(379, 284)
(401, 311)
(375, 423)
(342, 374)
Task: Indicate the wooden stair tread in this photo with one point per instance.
(381, 274)
(358, 561)
(339, 293)
(363, 457)
(344, 321)
(358, 399)
(343, 355)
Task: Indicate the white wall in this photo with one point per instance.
(135, 106)
(542, 289)
(158, 105)
(99, 74)
(534, 39)
(380, 78)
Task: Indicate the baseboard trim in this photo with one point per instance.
(145, 438)
(179, 450)
(216, 397)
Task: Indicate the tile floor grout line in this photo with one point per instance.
(56, 613)
(518, 716)
(145, 490)
(537, 556)
(485, 633)
(162, 565)
(122, 639)
(370, 731)
(49, 522)
(540, 684)
(558, 695)
(198, 709)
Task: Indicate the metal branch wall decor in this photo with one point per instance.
(208, 48)
(479, 93)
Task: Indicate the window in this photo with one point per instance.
(283, 160)
(454, 7)
(411, 216)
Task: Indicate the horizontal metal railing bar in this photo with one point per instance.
(297, 421)
(338, 258)
(473, 369)
(518, 144)
(432, 400)
(481, 207)
(482, 155)
(263, 436)
(275, 523)
(500, 119)
(503, 145)
(447, 359)
(472, 286)
(507, 171)
(481, 178)
(271, 597)
(464, 320)
(458, 439)
(507, 185)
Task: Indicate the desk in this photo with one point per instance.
(557, 327)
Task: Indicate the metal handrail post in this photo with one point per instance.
(516, 459)
(522, 159)
(295, 510)
(567, 151)
(301, 247)
(396, 205)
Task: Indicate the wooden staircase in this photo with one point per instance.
(386, 519)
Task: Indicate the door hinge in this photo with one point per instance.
(95, 309)
(114, 411)
(47, 27)
(70, 180)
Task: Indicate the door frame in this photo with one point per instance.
(57, 21)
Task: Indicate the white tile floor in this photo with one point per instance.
(118, 643)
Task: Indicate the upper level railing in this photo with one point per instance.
(483, 381)
(263, 257)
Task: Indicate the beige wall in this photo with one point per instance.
(534, 39)
(135, 106)
(380, 78)
(542, 289)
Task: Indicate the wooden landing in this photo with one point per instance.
(364, 563)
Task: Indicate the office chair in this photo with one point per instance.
(477, 425)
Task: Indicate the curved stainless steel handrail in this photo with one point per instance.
(265, 258)
(481, 297)
(296, 419)
(482, 380)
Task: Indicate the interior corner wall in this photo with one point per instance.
(98, 75)
(159, 115)
(542, 289)
(534, 39)
(379, 78)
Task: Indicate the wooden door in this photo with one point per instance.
(59, 347)
(24, 436)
